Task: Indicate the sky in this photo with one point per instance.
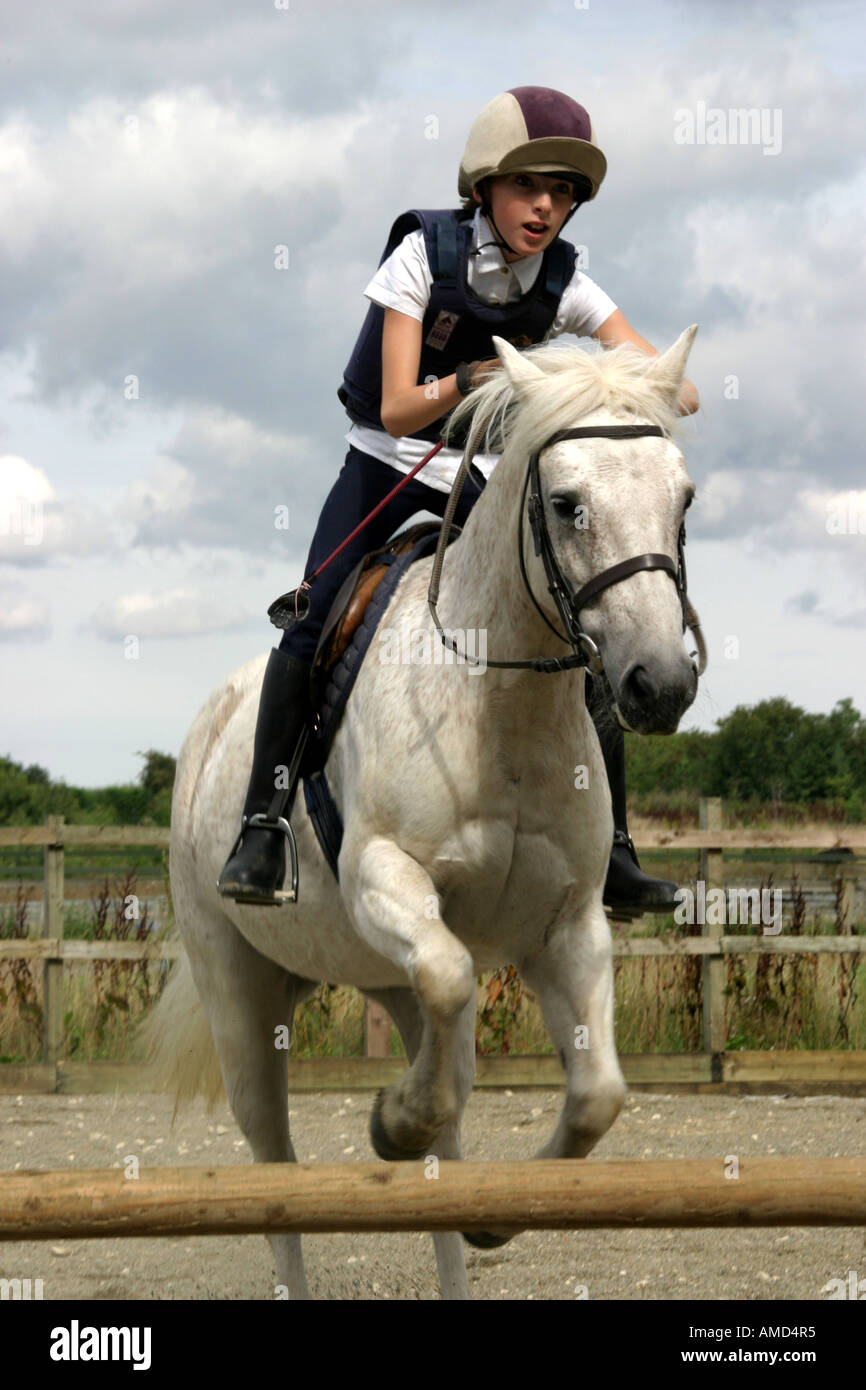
(168, 391)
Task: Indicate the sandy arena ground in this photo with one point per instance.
(98, 1131)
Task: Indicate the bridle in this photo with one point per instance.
(568, 603)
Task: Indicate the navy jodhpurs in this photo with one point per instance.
(362, 483)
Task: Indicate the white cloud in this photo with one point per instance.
(720, 494)
(223, 481)
(22, 616)
(143, 241)
(37, 526)
(175, 613)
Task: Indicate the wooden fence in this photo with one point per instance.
(839, 1070)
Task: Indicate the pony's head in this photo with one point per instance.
(605, 501)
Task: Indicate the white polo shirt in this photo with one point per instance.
(404, 282)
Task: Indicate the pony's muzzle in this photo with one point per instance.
(651, 699)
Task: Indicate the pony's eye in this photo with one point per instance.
(565, 507)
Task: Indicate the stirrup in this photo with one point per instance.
(281, 895)
(620, 837)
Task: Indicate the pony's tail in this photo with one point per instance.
(180, 1047)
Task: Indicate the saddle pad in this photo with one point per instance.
(331, 701)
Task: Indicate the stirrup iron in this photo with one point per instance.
(261, 821)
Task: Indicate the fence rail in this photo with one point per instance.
(556, 1194)
(713, 946)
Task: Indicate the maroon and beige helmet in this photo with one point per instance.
(532, 129)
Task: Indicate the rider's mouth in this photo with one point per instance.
(535, 228)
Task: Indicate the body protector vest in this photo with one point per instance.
(458, 326)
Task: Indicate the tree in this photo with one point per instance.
(157, 775)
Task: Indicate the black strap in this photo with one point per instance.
(444, 271)
(605, 432)
(623, 570)
(557, 269)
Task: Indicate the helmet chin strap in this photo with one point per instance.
(487, 211)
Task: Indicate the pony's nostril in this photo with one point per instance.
(642, 687)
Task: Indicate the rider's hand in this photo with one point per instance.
(479, 372)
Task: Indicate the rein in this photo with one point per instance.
(569, 604)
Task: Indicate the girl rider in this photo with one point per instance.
(446, 283)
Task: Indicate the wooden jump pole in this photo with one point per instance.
(548, 1194)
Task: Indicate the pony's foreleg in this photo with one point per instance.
(250, 1002)
(404, 1008)
(395, 908)
(573, 978)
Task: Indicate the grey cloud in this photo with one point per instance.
(176, 613)
(806, 602)
(307, 56)
(184, 294)
(224, 483)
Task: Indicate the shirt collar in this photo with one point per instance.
(490, 257)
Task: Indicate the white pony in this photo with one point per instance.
(476, 808)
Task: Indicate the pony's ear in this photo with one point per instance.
(519, 370)
(669, 369)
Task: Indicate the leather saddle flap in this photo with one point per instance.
(355, 593)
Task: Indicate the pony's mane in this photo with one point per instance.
(576, 381)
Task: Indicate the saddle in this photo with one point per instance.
(356, 592)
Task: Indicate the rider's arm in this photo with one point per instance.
(617, 329)
(406, 406)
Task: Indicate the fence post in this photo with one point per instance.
(52, 926)
(848, 873)
(712, 967)
(377, 1030)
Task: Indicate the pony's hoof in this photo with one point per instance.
(382, 1141)
(485, 1240)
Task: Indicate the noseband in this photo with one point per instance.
(568, 603)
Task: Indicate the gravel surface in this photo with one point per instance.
(99, 1131)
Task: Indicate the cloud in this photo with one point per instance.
(22, 617)
(37, 526)
(806, 602)
(305, 57)
(830, 611)
(174, 613)
(143, 247)
(225, 482)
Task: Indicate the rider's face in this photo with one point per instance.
(529, 210)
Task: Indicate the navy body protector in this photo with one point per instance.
(457, 326)
(321, 806)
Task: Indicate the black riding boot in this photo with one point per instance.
(627, 886)
(257, 864)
